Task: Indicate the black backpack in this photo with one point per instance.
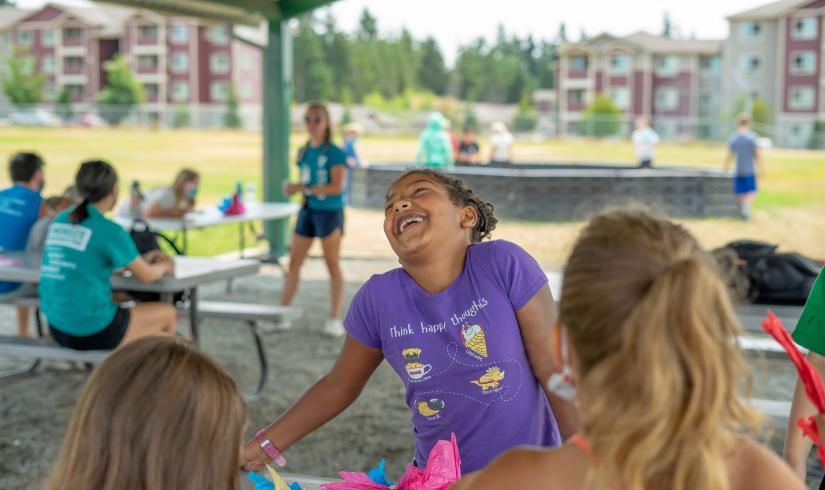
(146, 240)
(773, 277)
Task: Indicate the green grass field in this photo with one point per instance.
(790, 206)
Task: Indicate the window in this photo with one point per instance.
(711, 65)
(148, 62)
(804, 28)
(218, 35)
(751, 64)
(667, 99)
(218, 91)
(708, 101)
(667, 65)
(73, 62)
(246, 61)
(750, 30)
(578, 63)
(24, 38)
(621, 98)
(47, 64)
(75, 91)
(72, 34)
(801, 98)
(576, 96)
(47, 37)
(148, 32)
(180, 62)
(803, 63)
(179, 34)
(219, 63)
(151, 90)
(180, 92)
(247, 90)
(619, 64)
(50, 91)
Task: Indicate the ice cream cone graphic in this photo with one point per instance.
(474, 339)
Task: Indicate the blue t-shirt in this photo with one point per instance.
(78, 262)
(351, 152)
(316, 170)
(19, 207)
(743, 146)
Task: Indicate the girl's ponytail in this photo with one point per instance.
(656, 344)
(79, 213)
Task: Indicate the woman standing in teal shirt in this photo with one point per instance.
(82, 250)
(323, 179)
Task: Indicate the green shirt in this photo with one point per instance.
(810, 331)
(316, 165)
(75, 279)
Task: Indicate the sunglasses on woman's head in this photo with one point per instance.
(313, 119)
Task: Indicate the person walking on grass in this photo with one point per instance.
(323, 168)
(743, 149)
(20, 207)
(645, 140)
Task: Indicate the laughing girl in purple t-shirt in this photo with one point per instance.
(465, 324)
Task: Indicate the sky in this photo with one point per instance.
(457, 22)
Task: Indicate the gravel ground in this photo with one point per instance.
(35, 408)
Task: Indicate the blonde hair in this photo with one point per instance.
(155, 415)
(657, 355)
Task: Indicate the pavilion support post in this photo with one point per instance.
(277, 90)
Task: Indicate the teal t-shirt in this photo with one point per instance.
(316, 169)
(75, 278)
(810, 331)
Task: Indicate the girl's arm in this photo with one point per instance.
(536, 320)
(156, 210)
(146, 272)
(798, 447)
(336, 185)
(321, 403)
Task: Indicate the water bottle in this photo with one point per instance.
(135, 200)
(239, 190)
(251, 195)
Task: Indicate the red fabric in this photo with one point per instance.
(814, 387)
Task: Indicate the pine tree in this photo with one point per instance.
(312, 79)
(232, 117)
(367, 26)
(667, 26)
(432, 72)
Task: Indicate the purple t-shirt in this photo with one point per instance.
(460, 353)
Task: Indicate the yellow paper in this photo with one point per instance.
(279, 482)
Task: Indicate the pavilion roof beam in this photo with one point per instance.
(294, 8)
(210, 10)
(270, 9)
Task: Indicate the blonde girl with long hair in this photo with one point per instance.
(653, 357)
(156, 415)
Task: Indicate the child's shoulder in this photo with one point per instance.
(498, 250)
(755, 467)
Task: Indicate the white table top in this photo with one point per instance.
(265, 211)
(307, 482)
(189, 272)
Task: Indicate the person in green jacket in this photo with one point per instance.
(434, 148)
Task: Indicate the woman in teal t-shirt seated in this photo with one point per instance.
(82, 250)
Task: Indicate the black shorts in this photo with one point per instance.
(107, 339)
(319, 223)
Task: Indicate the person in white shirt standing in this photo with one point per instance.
(644, 140)
(501, 142)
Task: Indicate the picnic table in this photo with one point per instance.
(264, 211)
(190, 273)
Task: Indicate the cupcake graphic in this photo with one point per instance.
(474, 339)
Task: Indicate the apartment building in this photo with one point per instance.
(180, 61)
(675, 83)
(774, 52)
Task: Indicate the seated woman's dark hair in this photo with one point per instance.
(95, 180)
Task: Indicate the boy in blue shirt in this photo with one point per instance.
(742, 146)
(20, 206)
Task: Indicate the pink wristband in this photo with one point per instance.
(270, 448)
